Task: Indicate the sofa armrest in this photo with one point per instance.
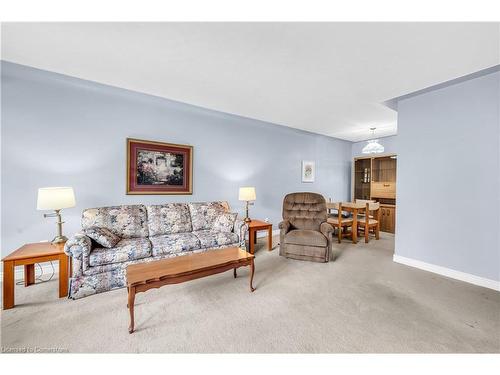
(241, 229)
(78, 248)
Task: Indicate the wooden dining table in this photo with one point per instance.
(349, 207)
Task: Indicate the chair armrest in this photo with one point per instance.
(284, 229)
(284, 226)
(326, 229)
(78, 248)
(241, 229)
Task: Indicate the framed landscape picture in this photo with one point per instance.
(308, 171)
(159, 168)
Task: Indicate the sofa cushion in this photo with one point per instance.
(305, 237)
(210, 238)
(224, 222)
(125, 250)
(203, 214)
(102, 236)
(124, 221)
(174, 243)
(168, 218)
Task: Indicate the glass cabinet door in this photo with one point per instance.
(362, 177)
(384, 169)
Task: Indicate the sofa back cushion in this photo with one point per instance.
(168, 219)
(224, 222)
(125, 221)
(203, 214)
(304, 210)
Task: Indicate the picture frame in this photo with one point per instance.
(308, 171)
(159, 168)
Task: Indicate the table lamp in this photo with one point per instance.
(56, 198)
(247, 194)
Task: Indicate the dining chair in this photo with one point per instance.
(363, 201)
(371, 220)
(341, 224)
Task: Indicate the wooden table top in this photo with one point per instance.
(335, 205)
(258, 224)
(141, 273)
(35, 250)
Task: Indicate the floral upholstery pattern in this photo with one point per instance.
(174, 243)
(78, 248)
(124, 221)
(204, 214)
(224, 222)
(241, 229)
(126, 249)
(102, 236)
(168, 218)
(209, 238)
(97, 269)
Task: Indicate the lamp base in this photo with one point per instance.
(247, 220)
(59, 239)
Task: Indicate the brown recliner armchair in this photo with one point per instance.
(304, 232)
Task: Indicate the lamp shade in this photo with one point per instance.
(247, 194)
(55, 198)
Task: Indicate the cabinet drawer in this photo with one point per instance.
(383, 190)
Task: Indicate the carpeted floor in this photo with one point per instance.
(362, 302)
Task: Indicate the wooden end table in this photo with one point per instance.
(144, 276)
(27, 255)
(253, 227)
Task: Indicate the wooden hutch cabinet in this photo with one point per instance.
(374, 177)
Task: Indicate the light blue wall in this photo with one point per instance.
(449, 177)
(62, 131)
(389, 143)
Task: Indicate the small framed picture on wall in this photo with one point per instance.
(308, 171)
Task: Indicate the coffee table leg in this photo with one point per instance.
(252, 270)
(131, 300)
(234, 272)
(270, 239)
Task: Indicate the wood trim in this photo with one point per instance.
(177, 279)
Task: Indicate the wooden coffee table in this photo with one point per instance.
(144, 276)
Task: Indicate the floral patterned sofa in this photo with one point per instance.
(144, 234)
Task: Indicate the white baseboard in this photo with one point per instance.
(458, 275)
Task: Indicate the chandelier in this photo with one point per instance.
(373, 147)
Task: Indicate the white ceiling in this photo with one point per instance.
(327, 78)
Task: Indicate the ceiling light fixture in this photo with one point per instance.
(373, 147)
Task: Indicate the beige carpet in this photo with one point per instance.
(362, 302)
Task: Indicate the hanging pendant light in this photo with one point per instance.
(373, 147)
